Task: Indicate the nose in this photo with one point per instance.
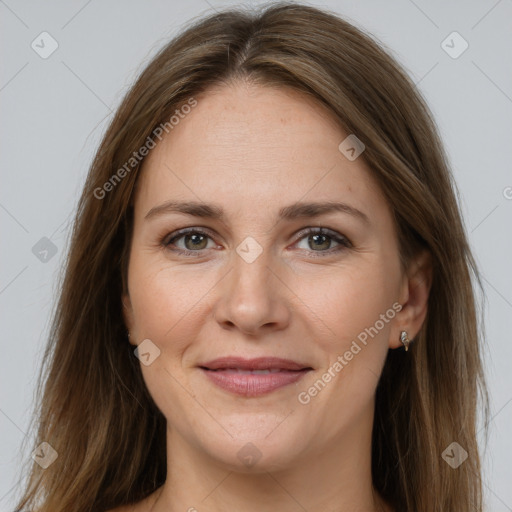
(252, 298)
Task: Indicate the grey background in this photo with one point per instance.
(55, 110)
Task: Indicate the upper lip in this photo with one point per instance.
(259, 363)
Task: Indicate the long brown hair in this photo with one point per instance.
(94, 408)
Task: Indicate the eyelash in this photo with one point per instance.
(343, 242)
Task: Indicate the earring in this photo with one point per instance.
(128, 334)
(405, 340)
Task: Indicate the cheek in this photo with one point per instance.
(167, 308)
(166, 300)
(354, 340)
(347, 301)
(356, 312)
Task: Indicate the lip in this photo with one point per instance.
(253, 377)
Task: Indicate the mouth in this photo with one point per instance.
(253, 377)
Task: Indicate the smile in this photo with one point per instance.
(253, 377)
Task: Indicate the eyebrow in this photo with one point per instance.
(291, 212)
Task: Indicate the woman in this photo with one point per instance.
(268, 301)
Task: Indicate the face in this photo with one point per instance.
(229, 269)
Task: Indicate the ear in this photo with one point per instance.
(128, 316)
(414, 294)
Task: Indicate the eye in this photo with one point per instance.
(186, 241)
(322, 240)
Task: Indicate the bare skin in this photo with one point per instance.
(253, 150)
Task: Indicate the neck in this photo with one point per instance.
(337, 478)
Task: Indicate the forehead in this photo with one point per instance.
(253, 145)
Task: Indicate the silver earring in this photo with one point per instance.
(405, 340)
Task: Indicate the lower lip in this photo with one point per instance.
(253, 384)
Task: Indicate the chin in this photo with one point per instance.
(255, 448)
